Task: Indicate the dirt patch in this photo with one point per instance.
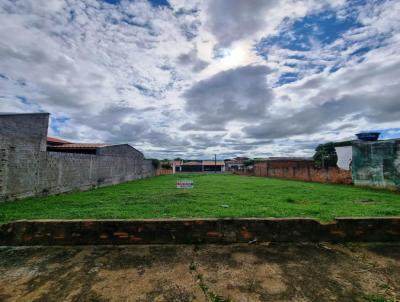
(268, 272)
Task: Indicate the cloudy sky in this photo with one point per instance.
(194, 78)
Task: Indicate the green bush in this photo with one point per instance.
(166, 166)
(155, 162)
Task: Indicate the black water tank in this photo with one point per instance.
(368, 136)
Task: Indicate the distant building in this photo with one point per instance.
(176, 165)
(236, 164)
(198, 166)
(210, 165)
(52, 141)
(59, 145)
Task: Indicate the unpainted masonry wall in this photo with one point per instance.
(196, 231)
(26, 169)
(302, 170)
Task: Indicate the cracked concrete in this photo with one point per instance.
(217, 273)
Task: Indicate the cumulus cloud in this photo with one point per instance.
(191, 59)
(366, 92)
(236, 94)
(230, 21)
(234, 20)
(201, 77)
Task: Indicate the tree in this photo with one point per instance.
(325, 155)
(249, 162)
(166, 166)
(155, 162)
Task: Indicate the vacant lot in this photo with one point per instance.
(274, 272)
(220, 195)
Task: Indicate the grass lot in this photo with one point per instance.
(220, 195)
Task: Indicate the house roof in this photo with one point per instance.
(213, 163)
(57, 140)
(289, 159)
(192, 163)
(234, 162)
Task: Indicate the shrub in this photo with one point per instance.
(155, 162)
(166, 166)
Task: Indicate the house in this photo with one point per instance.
(198, 166)
(236, 164)
(215, 166)
(52, 141)
(59, 145)
(176, 165)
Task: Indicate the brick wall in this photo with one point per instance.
(164, 172)
(301, 170)
(184, 231)
(26, 169)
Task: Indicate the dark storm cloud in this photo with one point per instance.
(237, 94)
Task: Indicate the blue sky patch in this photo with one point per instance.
(115, 2)
(287, 77)
(389, 133)
(56, 122)
(153, 2)
(23, 100)
(159, 3)
(323, 27)
(315, 32)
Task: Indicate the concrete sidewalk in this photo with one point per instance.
(268, 272)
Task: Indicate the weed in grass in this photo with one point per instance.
(377, 298)
(384, 286)
(366, 201)
(192, 266)
(209, 294)
(290, 200)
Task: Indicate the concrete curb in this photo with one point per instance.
(193, 231)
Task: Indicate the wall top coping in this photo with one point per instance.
(397, 218)
(22, 113)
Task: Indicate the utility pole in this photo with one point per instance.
(215, 163)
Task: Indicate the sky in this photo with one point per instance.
(183, 78)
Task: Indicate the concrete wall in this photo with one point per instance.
(301, 170)
(27, 169)
(377, 164)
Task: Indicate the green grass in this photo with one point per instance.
(220, 195)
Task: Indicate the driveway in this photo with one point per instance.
(268, 272)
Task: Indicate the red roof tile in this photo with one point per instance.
(212, 163)
(56, 140)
